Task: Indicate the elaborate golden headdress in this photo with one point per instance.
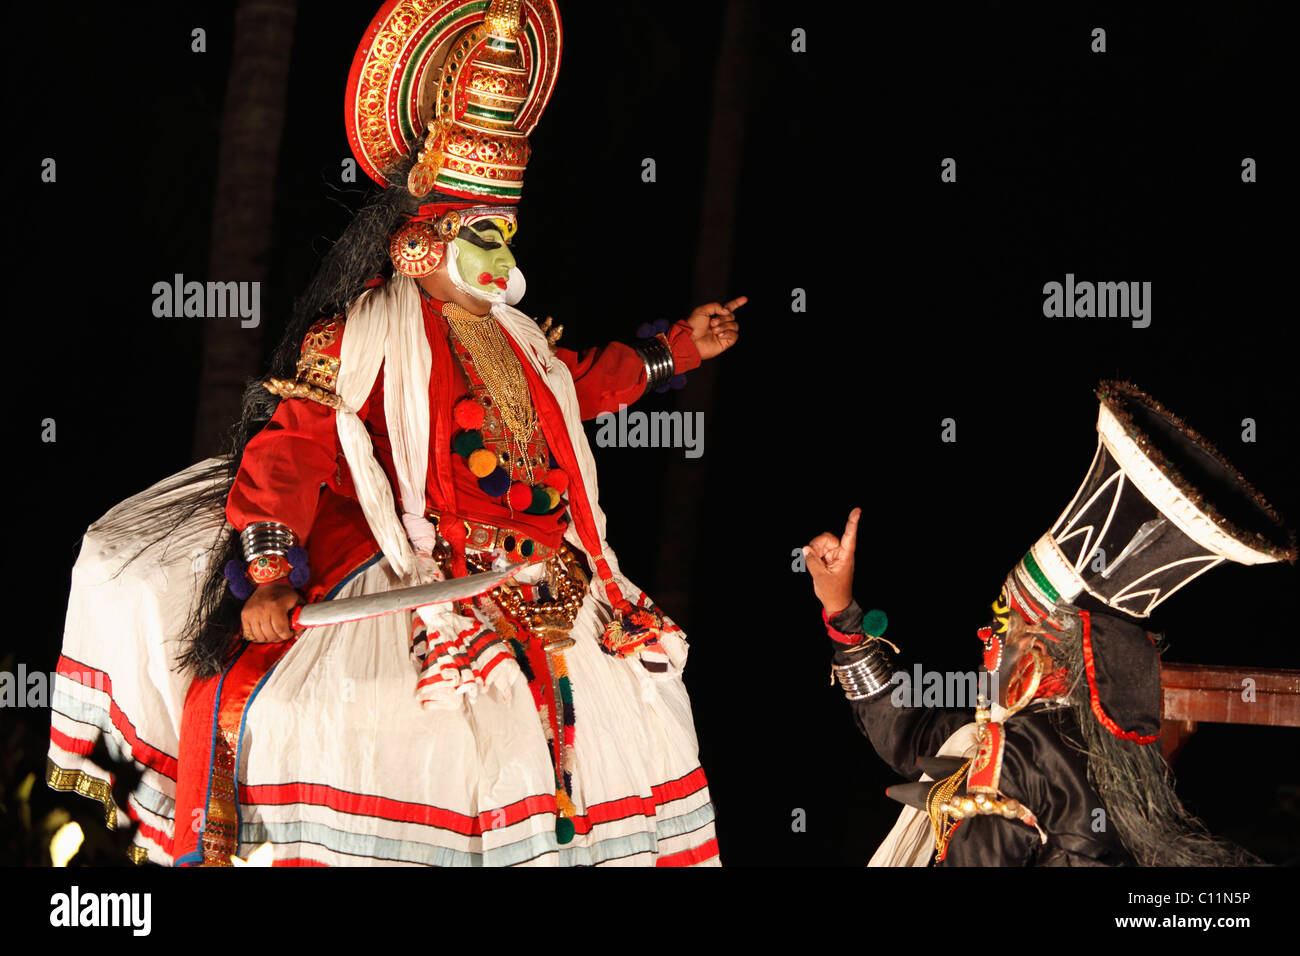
(470, 77)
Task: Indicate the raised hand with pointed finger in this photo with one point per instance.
(714, 328)
(830, 563)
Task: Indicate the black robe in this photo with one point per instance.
(1040, 768)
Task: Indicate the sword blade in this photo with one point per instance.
(342, 610)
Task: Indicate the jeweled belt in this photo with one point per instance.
(486, 537)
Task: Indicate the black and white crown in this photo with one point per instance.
(1158, 508)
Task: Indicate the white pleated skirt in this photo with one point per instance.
(340, 765)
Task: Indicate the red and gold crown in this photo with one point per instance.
(470, 77)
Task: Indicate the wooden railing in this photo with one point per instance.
(1196, 693)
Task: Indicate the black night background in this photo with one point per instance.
(776, 171)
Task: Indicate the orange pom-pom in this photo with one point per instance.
(520, 497)
(557, 479)
(482, 463)
(468, 414)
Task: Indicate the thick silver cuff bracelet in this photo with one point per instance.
(659, 364)
(266, 537)
(866, 676)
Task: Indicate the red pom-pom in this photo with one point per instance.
(521, 496)
(468, 413)
(557, 479)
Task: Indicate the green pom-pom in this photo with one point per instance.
(564, 830)
(541, 502)
(467, 442)
(874, 623)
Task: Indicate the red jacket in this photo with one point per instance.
(294, 471)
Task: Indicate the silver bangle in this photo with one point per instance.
(865, 677)
(266, 537)
(658, 359)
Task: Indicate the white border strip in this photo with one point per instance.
(1166, 496)
(1068, 582)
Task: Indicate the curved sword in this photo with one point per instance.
(342, 610)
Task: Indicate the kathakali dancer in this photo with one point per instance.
(416, 428)
(1063, 768)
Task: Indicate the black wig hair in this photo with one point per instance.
(358, 255)
(1134, 781)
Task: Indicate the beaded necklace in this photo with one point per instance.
(481, 344)
(498, 366)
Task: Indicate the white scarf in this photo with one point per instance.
(911, 841)
(385, 325)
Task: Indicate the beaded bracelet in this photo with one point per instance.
(245, 579)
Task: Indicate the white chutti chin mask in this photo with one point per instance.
(515, 287)
(512, 293)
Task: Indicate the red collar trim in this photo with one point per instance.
(557, 438)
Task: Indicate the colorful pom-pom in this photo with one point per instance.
(496, 484)
(240, 586)
(540, 502)
(558, 479)
(678, 381)
(520, 497)
(554, 497)
(564, 830)
(482, 463)
(641, 620)
(297, 558)
(645, 331)
(466, 443)
(874, 623)
(661, 326)
(468, 414)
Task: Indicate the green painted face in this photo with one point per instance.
(484, 269)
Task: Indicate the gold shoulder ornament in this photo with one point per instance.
(318, 366)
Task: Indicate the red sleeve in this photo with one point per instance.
(613, 375)
(284, 466)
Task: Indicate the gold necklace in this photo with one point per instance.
(498, 366)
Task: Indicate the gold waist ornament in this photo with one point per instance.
(550, 621)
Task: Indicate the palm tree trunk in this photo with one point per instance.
(252, 124)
